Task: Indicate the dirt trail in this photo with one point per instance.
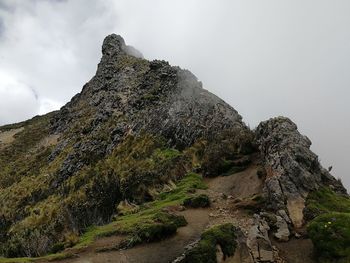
(240, 185)
(157, 252)
(223, 192)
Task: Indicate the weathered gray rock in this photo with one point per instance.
(282, 233)
(258, 241)
(293, 170)
(242, 252)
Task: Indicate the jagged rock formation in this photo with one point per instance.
(293, 170)
(147, 96)
(132, 95)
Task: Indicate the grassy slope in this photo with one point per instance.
(37, 206)
(147, 224)
(23, 157)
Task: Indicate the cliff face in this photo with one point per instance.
(137, 127)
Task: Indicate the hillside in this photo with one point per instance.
(144, 165)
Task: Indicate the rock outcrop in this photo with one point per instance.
(293, 170)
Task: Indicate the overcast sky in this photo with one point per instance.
(265, 58)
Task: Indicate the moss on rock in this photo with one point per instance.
(205, 251)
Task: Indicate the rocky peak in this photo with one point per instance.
(150, 96)
(115, 44)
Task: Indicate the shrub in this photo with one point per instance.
(330, 234)
(197, 201)
(163, 226)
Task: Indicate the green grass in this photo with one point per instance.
(330, 228)
(325, 200)
(149, 214)
(330, 234)
(205, 251)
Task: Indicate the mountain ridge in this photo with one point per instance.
(137, 127)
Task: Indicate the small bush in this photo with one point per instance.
(162, 226)
(197, 201)
(222, 235)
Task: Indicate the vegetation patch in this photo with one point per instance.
(160, 226)
(205, 251)
(149, 223)
(197, 201)
(325, 200)
(330, 228)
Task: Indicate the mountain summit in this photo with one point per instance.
(131, 158)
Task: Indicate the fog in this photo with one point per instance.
(265, 58)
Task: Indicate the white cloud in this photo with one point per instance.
(53, 46)
(18, 102)
(48, 105)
